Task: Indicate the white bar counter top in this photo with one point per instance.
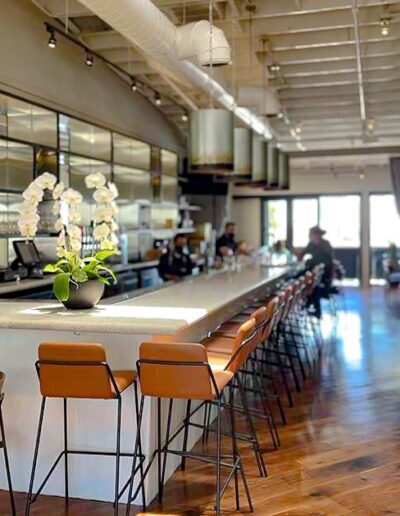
(165, 311)
(185, 312)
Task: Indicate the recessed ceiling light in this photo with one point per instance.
(89, 59)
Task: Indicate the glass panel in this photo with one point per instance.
(305, 216)
(384, 237)
(132, 153)
(340, 218)
(169, 189)
(9, 213)
(16, 165)
(275, 221)
(132, 184)
(169, 163)
(31, 123)
(82, 138)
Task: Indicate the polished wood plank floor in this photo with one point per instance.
(341, 448)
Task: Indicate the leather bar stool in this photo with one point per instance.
(222, 344)
(3, 444)
(169, 370)
(80, 370)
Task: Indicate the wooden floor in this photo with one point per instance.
(341, 448)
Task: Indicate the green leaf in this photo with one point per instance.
(51, 268)
(61, 286)
(79, 275)
(103, 255)
(95, 276)
(108, 271)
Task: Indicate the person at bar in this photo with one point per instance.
(226, 244)
(321, 251)
(176, 262)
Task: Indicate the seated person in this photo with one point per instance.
(226, 244)
(176, 262)
(280, 254)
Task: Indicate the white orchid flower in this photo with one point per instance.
(46, 181)
(114, 226)
(61, 240)
(56, 209)
(101, 232)
(58, 190)
(103, 195)
(114, 207)
(26, 209)
(75, 244)
(103, 214)
(33, 194)
(71, 197)
(28, 226)
(58, 225)
(114, 189)
(95, 180)
(74, 232)
(107, 245)
(75, 217)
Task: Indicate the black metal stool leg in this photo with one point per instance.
(168, 431)
(234, 445)
(136, 448)
(140, 447)
(186, 434)
(117, 455)
(218, 472)
(35, 456)
(159, 448)
(6, 461)
(66, 451)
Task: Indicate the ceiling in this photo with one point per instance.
(336, 76)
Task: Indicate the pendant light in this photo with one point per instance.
(211, 131)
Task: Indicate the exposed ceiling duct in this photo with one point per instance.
(142, 23)
(265, 101)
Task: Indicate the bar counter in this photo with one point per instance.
(185, 311)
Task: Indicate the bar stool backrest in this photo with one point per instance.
(175, 370)
(243, 345)
(75, 370)
(288, 301)
(260, 318)
(272, 315)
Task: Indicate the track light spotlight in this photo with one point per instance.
(52, 40)
(157, 99)
(385, 25)
(184, 117)
(134, 86)
(89, 59)
(275, 67)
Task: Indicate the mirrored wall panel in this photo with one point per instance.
(169, 189)
(16, 165)
(9, 213)
(132, 184)
(25, 121)
(86, 139)
(130, 152)
(169, 163)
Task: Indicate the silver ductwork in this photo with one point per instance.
(145, 26)
(259, 162)
(243, 151)
(211, 141)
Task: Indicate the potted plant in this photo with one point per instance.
(80, 276)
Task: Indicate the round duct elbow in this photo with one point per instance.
(193, 41)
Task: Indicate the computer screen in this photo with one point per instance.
(27, 252)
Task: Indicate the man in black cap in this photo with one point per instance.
(321, 251)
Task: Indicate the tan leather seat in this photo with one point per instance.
(179, 370)
(63, 372)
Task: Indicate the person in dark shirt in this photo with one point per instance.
(176, 262)
(321, 251)
(226, 243)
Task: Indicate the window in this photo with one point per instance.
(169, 163)
(276, 221)
(305, 216)
(16, 165)
(384, 221)
(82, 138)
(130, 152)
(340, 218)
